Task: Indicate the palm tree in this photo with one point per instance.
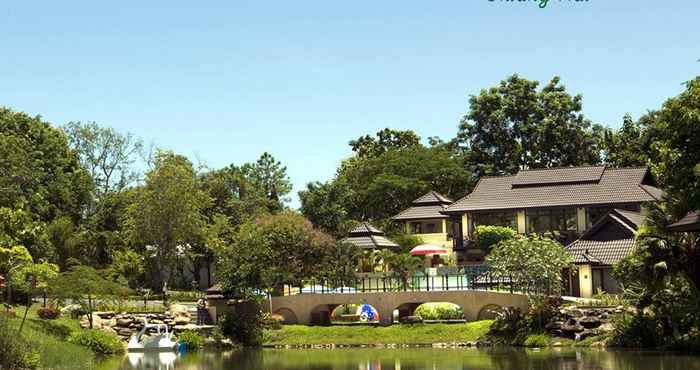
(385, 256)
(404, 266)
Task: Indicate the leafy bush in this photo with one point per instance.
(191, 339)
(532, 263)
(488, 236)
(636, 331)
(541, 310)
(406, 242)
(273, 322)
(244, 324)
(506, 322)
(98, 341)
(48, 313)
(15, 352)
(607, 300)
(439, 311)
(536, 340)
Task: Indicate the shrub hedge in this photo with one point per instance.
(488, 236)
(98, 341)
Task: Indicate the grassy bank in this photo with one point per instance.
(49, 339)
(395, 334)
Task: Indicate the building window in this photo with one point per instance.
(416, 228)
(594, 214)
(507, 219)
(546, 220)
(429, 227)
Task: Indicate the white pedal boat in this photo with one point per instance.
(162, 341)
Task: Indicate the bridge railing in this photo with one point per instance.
(469, 278)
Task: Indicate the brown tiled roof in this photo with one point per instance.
(371, 242)
(636, 219)
(432, 197)
(369, 237)
(562, 175)
(421, 213)
(427, 206)
(615, 186)
(365, 229)
(600, 252)
(690, 222)
(609, 240)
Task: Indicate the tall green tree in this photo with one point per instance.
(627, 146)
(108, 155)
(38, 170)
(268, 176)
(166, 215)
(515, 126)
(385, 140)
(374, 188)
(325, 205)
(674, 147)
(84, 284)
(663, 273)
(271, 251)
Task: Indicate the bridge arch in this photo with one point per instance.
(475, 304)
(289, 316)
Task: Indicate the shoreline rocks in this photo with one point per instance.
(124, 324)
(579, 323)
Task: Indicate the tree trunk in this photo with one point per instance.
(208, 271)
(90, 310)
(24, 318)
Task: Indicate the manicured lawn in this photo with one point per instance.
(48, 337)
(395, 334)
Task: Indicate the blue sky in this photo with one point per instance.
(225, 81)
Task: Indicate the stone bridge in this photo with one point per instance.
(316, 308)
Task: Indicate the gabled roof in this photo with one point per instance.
(555, 187)
(365, 229)
(689, 222)
(428, 206)
(369, 237)
(561, 175)
(432, 197)
(609, 240)
(601, 252)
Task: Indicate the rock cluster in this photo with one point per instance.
(126, 324)
(581, 323)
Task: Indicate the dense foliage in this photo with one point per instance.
(532, 263)
(439, 311)
(98, 341)
(16, 352)
(244, 324)
(273, 250)
(514, 126)
(662, 276)
(193, 340)
(487, 236)
(48, 313)
(383, 178)
(84, 284)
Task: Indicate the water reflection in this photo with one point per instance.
(414, 359)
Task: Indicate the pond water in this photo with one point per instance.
(411, 359)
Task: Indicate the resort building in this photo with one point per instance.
(425, 220)
(568, 201)
(599, 248)
(366, 236)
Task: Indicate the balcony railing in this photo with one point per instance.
(432, 279)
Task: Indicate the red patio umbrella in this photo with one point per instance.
(424, 249)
